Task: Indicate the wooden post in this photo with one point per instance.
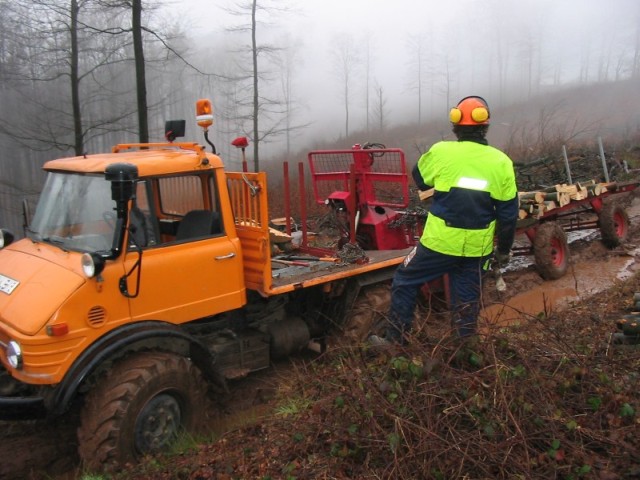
(604, 161)
(566, 164)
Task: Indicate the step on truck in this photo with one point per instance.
(146, 280)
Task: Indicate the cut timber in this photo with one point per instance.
(282, 221)
(576, 192)
(426, 194)
(563, 199)
(552, 197)
(535, 204)
(587, 183)
(538, 210)
(597, 189)
(531, 197)
(564, 188)
(277, 237)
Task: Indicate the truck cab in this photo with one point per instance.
(142, 234)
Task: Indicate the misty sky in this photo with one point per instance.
(466, 36)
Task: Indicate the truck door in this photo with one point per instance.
(193, 266)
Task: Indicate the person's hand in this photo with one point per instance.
(502, 259)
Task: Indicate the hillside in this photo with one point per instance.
(572, 115)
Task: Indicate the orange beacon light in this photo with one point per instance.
(204, 113)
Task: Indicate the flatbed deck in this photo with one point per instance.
(292, 277)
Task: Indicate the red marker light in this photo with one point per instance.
(57, 330)
(240, 142)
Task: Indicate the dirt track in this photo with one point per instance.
(39, 450)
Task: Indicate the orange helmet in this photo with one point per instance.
(470, 111)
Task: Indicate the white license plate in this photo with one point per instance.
(7, 285)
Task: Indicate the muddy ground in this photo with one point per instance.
(39, 450)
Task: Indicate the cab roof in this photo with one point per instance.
(150, 159)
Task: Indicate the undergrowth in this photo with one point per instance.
(549, 398)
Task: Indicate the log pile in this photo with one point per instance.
(535, 204)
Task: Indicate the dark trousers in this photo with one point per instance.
(465, 277)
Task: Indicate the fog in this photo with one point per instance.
(506, 51)
(331, 74)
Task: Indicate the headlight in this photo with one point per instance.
(92, 264)
(14, 354)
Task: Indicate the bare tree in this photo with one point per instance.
(345, 62)
(380, 108)
(141, 79)
(59, 75)
(368, 61)
(266, 114)
(417, 46)
(287, 60)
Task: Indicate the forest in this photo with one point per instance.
(78, 76)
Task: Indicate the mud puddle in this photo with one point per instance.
(584, 278)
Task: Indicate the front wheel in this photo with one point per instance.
(551, 251)
(142, 405)
(614, 224)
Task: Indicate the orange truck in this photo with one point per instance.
(144, 282)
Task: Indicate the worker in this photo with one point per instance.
(475, 201)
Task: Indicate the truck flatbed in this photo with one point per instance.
(293, 277)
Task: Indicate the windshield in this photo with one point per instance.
(75, 212)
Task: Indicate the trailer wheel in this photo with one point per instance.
(140, 408)
(551, 251)
(369, 313)
(614, 224)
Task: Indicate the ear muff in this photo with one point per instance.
(455, 115)
(480, 114)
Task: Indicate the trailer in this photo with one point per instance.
(547, 230)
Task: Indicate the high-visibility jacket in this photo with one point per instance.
(474, 187)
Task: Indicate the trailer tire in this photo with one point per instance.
(551, 251)
(369, 313)
(142, 405)
(614, 224)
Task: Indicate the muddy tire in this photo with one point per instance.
(551, 251)
(369, 313)
(145, 401)
(614, 224)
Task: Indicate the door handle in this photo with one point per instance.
(228, 255)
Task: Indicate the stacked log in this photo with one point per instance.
(535, 204)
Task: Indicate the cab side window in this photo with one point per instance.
(188, 208)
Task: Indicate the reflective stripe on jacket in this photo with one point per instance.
(474, 186)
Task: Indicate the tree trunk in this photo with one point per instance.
(256, 103)
(141, 82)
(75, 81)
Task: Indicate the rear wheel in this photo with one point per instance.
(614, 224)
(140, 408)
(551, 251)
